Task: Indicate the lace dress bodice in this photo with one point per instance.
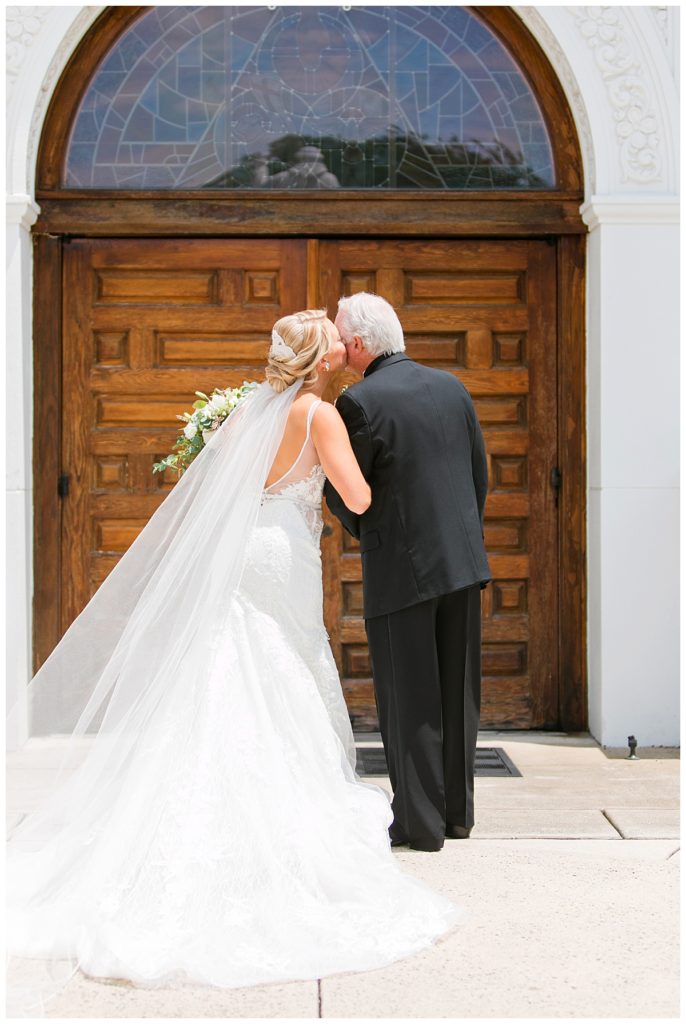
(303, 483)
(282, 576)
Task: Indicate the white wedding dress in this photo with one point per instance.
(242, 848)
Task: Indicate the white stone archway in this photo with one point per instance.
(619, 69)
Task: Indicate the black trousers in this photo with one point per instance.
(426, 663)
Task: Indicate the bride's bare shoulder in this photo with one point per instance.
(296, 421)
(302, 405)
(328, 421)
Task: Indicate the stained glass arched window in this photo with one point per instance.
(309, 97)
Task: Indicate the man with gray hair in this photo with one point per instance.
(419, 444)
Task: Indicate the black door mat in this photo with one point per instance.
(489, 761)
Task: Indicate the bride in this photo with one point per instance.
(207, 823)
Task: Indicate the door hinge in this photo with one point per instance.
(556, 481)
(63, 485)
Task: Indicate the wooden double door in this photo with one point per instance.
(148, 322)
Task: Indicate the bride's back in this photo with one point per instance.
(296, 454)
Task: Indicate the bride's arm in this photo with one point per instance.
(338, 460)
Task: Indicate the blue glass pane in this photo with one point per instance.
(309, 97)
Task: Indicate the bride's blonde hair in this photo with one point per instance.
(305, 333)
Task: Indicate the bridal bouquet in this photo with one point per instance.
(209, 413)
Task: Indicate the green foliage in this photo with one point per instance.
(206, 417)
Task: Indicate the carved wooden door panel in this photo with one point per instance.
(145, 324)
(484, 310)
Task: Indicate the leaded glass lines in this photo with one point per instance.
(306, 97)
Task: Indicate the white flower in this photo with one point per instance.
(217, 403)
(190, 430)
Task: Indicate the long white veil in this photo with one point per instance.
(152, 627)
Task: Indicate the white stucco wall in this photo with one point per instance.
(633, 473)
(619, 69)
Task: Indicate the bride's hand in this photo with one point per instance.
(338, 460)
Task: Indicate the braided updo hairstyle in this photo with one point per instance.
(306, 334)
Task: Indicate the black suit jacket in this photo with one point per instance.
(418, 441)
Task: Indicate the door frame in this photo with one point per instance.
(551, 214)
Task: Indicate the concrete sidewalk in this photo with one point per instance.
(570, 880)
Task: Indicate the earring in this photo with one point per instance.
(327, 364)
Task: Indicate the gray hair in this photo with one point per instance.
(374, 320)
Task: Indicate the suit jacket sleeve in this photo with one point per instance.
(479, 475)
(361, 441)
(479, 469)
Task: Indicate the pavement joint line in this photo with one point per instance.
(672, 853)
(609, 819)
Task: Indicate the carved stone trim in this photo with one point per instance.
(666, 21)
(69, 42)
(21, 210)
(661, 15)
(636, 123)
(22, 26)
(542, 32)
(659, 209)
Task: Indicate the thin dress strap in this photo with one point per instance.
(310, 414)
